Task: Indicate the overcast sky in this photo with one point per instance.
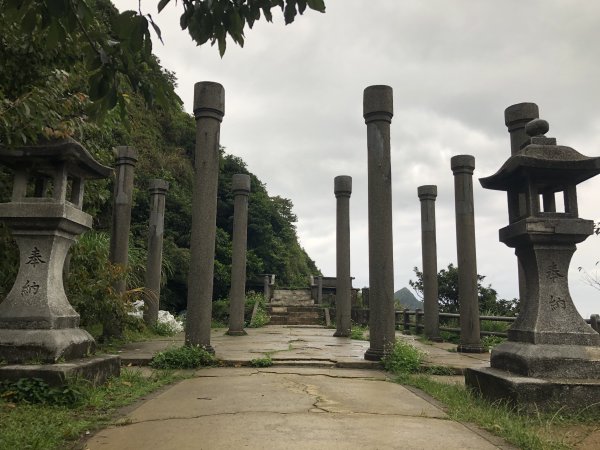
(293, 112)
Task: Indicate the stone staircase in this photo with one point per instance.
(294, 307)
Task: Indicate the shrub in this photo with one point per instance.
(402, 358)
(186, 357)
(36, 390)
(490, 342)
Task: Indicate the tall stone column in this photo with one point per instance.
(470, 340)
(378, 112)
(515, 118)
(158, 191)
(122, 202)
(237, 295)
(121, 223)
(427, 195)
(209, 109)
(342, 187)
(319, 290)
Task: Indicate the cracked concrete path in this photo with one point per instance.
(289, 408)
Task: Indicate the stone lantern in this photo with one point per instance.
(552, 356)
(45, 217)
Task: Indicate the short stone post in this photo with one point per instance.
(470, 339)
(365, 297)
(595, 322)
(418, 321)
(158, 191)
(319, 290)
(122, 202)
(378, 112)
(406, 321)
(515, 118)
(237, 296)
(266, 288)
(121, 223)
(343, 188)
(209, 109)
(427, 195)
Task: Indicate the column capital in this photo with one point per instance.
(427, 192)
(378, 103)
(462, 164)
(126, 155)
(209, 100)
(240, 184)
(158, 186)
(519, 114)
(342, 186)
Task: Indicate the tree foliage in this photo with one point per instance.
(448, 293)
(110, 51)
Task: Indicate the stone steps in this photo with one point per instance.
(294, 307)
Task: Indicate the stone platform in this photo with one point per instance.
(96, 369)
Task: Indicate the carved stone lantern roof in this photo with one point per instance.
(43, 158)
(538, 170)
(58, 169)
(544, 163)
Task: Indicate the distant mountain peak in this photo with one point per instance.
(407, 299)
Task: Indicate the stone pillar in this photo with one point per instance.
(427, 195)
(157, 190)
(122, 202)
(515, 118)
(237, 296)
(121, 222)
(378, 112)
(342, 186)
(470, 340)
(209, 109)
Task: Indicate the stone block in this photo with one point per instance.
(534, 393)
(96, 369)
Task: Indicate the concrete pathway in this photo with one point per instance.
(320, 394)
(290, 408)
(301, 346)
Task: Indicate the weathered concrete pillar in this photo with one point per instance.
(470, 340)
(158, 191)
(122, 202)
(378, 112)
(237, 296)
(342, 187)
(515, 118)
(427, 195)
(209, 109)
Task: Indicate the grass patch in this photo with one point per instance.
(262, 362)
(44, 425)
(524, 430)
(185, 357)
(402, 357)
(358, 332)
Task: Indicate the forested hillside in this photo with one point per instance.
(45, 93)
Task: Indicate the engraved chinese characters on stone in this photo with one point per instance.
(557, 302)
(552, 272)
(35, 257)
(31, 287)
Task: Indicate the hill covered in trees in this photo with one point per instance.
(51, 99)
